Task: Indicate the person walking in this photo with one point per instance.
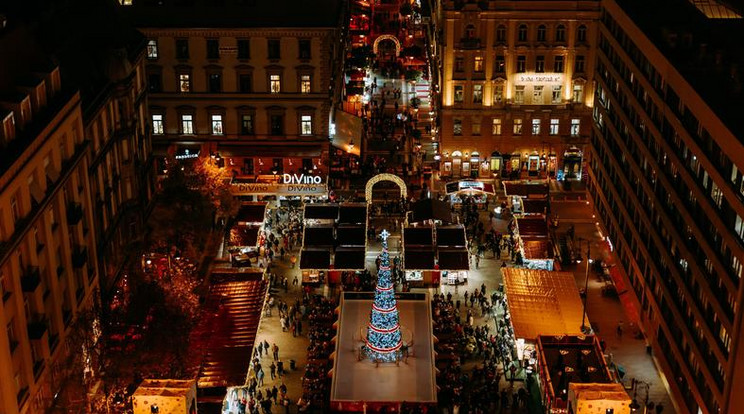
(280, 368)
(272, 369)
(275, 351)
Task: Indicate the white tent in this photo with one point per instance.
(598, 398)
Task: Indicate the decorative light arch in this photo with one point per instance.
(387, 37)
(385, 177)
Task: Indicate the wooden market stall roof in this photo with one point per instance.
(590, 398)
(542, 302)
(451, 235)
(528, 189)
(535, 205)
(349, 258)
(537, 249)
(419, 258)
(418, 236)
(253, 213)
(533, 227)
(351, 235)
(353, 213)
(431, 209)
(321, 211)
(315, 259)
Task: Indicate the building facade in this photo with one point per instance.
(255, 92)
(48, 260)
(516, 87)
(666, 179)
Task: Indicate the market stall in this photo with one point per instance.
(245, 235)
(478, 191)
(527, 196)
(540, 302)
(598, 398)
(165, 396)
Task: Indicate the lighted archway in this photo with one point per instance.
(385, 177)
(387, 37)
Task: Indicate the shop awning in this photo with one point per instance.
(419, 258)
(451, 236)
(453, 259)
(418, 236)
(251, 213)
(349, 258)
(315, 259)
(318, 236)
(431, 209)
(321, 211)
(269, 151)
(351, 235)
(353, 214)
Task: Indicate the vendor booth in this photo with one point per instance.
(526, 197)
(165, 396)
(478, 191)
(598, 398)
(540, 302)
(244, 242)
(535, 244)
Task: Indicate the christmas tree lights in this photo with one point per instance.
(383, 343)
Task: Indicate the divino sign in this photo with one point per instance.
(290, 185)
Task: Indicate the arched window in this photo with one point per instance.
(501, 33)
(560, 33)
(541, 33)
(522, 33)
(470, 32)
(581, 34)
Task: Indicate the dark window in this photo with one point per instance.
(277, 124)
(277, 166)
(522, 33)
(501, 33)
(581, 34)
(246, 125)
(182, 48)
(244, 49)
(560, 33)
(155, 82)
(579, 64)
(540, 64)
(273, 47)
(459, 64)
(307, 164)
(304, 48)
(245, 83)
(521, 64)
(558, 64)
(470, 32)
(541, 33)
(213, 49)
(500, 65)
(215, 82)
(248, 166)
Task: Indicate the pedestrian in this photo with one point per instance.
(275, 351)
(266, 347)
(659, 408)
(295, 281)
(274, 393)
(280, 368)
(619, 329)
(272, 368)
(260, 377)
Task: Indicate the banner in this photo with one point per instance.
(242, 189)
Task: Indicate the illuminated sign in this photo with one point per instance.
(301, 179)
(280, 189)
(187, 154)
(539, 78)
(470, 184)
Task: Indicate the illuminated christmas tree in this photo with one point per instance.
(383, 343)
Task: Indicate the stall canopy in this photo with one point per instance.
(537, 249)
(353, 214)
(469, 186)
(418, 236)
(535, 206)
(349, 258)
(251, 213)
(602, 398)
(527, 189)
(315, 259)
(451, 236)
(319, 236)
(431, 209)
(542, 302)
(419, 258)
(453, 259)
(348, 235)
(321, 211)
(227, 328)
(531, 228)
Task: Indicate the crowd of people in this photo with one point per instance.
(315, 382)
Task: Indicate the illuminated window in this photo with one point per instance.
(519, 94)
(537, 94)
(305, 83)
(157, 124)
(152, 49)
(717, 195)
(557, 93)
(184, 82)
(217, 125)
(535, 127)
(578, 93)
(575, 127)
(478, 64)
(275, 83)
(558, 64)
(457, 126)
(496, 126)
(306, 125)
(476, 127)
(554, 124)
(517, 126)
(459, 93)
(498, 93)
(477, 94)
(187, 124)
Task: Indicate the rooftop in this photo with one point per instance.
(234, 13)
(706, 52)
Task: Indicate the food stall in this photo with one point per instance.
(165, 396)
(478, 191)
(527, 196)
(598, 398)
(245, 235)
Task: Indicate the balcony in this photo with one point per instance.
(31, 279)
(37, 326)
(74, 213)
(79, 256)
(469, 43)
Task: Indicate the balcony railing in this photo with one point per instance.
(74, 213)
(31, 279)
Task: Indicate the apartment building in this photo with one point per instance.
(48, 260)
(516, 87)
(666, 178)
(242, 80)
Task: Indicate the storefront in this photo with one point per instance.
(572, 163)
